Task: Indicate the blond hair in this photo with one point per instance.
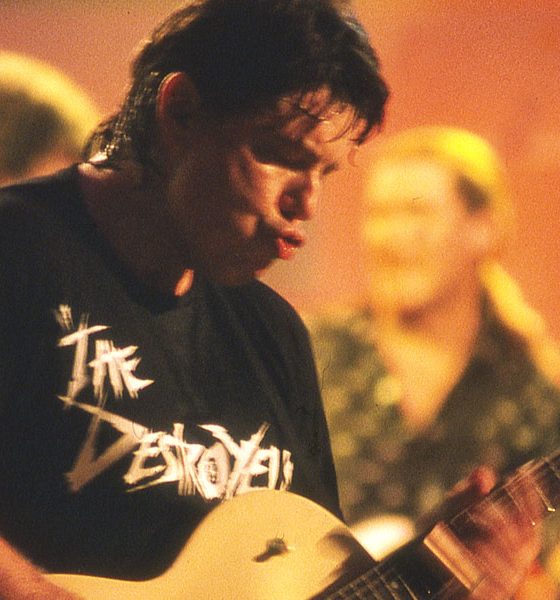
(41, 111)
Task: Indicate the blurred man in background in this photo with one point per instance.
(45, 118)
(445, 366)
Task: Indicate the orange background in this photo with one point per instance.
(492, 66)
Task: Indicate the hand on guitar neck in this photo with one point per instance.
(383, 534)
(489, 540)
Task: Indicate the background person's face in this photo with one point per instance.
(422, 244)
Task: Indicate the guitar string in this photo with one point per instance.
(386, 577)
(538, 471)
(507, 498)
(389, 581)
(542, 483)
(452, 589)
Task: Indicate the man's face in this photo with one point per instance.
(241, 188)
(423, 245)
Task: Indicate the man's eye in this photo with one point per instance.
(265, 153)
(278, 154)
(330, 169)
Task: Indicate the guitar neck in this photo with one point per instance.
(408, 574)
(437, 565)
(541, 476)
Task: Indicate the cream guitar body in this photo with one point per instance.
(267, 545)
(272, 545)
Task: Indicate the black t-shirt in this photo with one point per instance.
(126, 416)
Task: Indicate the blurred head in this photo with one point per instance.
(45, 119)
(438, 212)
(243, 57)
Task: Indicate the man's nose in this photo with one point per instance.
(300, 201)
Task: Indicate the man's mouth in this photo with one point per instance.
(287, 245)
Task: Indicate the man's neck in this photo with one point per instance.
(453, 322)
(427, 351)
(125, 210)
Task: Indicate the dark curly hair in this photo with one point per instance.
(244, 55)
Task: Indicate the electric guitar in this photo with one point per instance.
(274, 545)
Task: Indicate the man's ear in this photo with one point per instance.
(177, 100)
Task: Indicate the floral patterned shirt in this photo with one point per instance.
(502, 413)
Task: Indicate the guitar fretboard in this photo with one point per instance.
(379, 583)
(532, 493)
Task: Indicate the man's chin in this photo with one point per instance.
(233, 277)
(237, 279)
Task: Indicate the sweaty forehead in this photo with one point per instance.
(298, 114)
